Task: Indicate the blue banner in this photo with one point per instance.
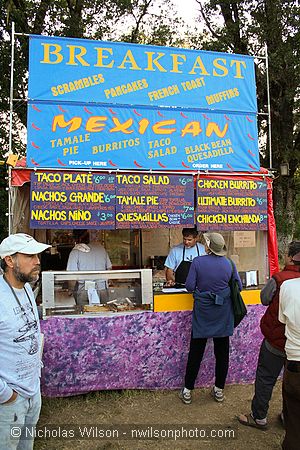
(114, 137)
(88, 71)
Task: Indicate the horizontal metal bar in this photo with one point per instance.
(151, 171)
(93, 272)
(96, 276)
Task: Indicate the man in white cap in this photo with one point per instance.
(20, 342)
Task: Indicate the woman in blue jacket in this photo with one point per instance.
(212, 317)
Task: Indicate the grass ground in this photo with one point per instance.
(159, 413)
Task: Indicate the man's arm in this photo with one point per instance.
(170, 276)
(170, 266)
(7, 394)
(268, 291)
(281, 315)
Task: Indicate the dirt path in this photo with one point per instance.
(157, 411)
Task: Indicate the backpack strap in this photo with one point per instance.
(232, 266)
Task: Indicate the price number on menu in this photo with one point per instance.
(188, 208)
(186, 215)
(261, 201)
(99, 178)
(104, 216)
(261, 184)
(108, 197)
(185, 180)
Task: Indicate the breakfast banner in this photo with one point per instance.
(89, 71)
(109, 105)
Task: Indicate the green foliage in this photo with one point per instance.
(248, 26)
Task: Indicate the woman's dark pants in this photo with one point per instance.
(221, 351)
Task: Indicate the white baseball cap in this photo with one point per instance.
(21, 243)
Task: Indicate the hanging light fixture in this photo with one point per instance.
(284, 169)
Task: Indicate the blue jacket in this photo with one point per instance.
(212, 314)
(208, 278)
(210, 273)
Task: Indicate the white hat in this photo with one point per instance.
(216, 244)
(82, 248)
(21, 243)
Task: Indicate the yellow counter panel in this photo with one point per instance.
(183, 301)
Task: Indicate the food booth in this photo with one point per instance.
(172, 145)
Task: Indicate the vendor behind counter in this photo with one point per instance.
(180, 257)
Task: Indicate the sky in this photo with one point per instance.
(187, 9)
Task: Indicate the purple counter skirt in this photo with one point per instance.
(138, 351)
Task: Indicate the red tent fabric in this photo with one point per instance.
(19, 174)
(272, 237)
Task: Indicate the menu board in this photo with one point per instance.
(231, 204)
(61, 199)
(153, 201)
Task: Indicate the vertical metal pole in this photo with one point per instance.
(141, 249)
(11, 93)
(269, 107)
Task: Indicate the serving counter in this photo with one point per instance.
(139, 350)
(183, 301)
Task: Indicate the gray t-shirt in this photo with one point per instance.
(20, 342)
(96, 259)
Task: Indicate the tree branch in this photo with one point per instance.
(207, 22)
(144, 12)
(40, 17)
